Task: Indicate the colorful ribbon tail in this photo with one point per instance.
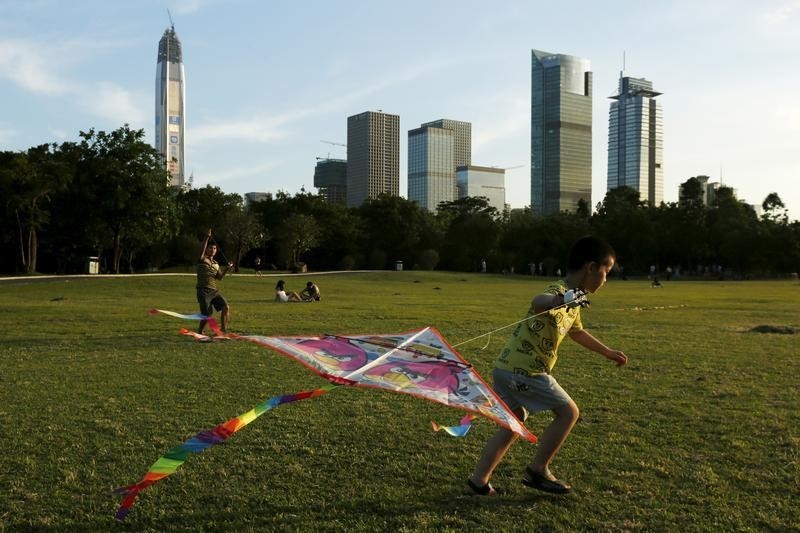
(456, 431)
(174, 458)
(210, 320)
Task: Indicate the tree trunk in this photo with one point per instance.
(33, 246)
(21, 242)
(117, 251)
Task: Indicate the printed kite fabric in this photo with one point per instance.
(420, 363)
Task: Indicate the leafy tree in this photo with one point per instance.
(31, 178)
(472, 232)
(626, 222)
(397, 227)
(244, 232)
(297, 235)
(774, 209)
(210, 207)
(127, 190)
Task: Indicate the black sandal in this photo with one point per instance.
(477, 490)
(536, 480)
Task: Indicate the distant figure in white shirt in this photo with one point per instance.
(282, 296)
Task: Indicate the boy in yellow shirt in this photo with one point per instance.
(522, 371)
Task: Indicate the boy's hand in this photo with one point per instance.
(576, 298)
(618, 357)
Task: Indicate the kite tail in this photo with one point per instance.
(210, 320)
(456, 431)
(174, 458)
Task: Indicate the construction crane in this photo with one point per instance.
(508, 168)
(334, 144)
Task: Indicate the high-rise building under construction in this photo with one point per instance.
(171, 106)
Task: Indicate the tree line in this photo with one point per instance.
(108, 196)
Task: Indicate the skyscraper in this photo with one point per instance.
(435, 150)
(330, 177)
(561, 132)
(635, 140)
(488, 182)
(373, 156)
(171, 105)
(462, 139)
(431, 170)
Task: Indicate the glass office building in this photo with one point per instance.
(561, 132)
(330, 177)
(462, 139)
(431, 166)
(488, 182)
(171, 106)
(635, 140)
(373, 156)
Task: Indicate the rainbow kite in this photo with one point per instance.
(419, 362)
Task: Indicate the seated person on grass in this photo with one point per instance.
(311, 293)
(282, 296)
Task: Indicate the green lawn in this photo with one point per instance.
(701, 431)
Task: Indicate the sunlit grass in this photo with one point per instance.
(700, 431)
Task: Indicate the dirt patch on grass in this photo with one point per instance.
(784, 330)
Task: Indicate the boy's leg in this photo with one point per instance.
(205, 309)
(225, 316)
(493, 452)
(553, 437)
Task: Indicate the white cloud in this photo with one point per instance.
(6, 134)
(24, 65)
(266, 129)
(187, 7)
(115, 103)
(509, 119)
(233, 173)
(779, 14)
(58, 133)
(35, 68)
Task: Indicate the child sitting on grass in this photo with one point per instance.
(522, 371)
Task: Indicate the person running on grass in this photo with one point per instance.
(208, 295)
(522, 373)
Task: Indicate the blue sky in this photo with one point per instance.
(267, 81)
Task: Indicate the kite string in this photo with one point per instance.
(507, 326)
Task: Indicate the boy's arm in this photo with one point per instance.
(588, 341)
(543, 302)
(205, 245)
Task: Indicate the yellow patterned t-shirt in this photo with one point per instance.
(533, 347)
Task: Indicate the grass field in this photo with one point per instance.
(700, 432)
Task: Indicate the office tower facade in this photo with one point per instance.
(431, 167)
(435, 150)
(251, 198)
(489, 182)
(462, 139)
(561, 132)
(373, 156)
(330, 177)
(171, 106)
(635, 140)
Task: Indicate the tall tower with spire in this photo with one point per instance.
(171, 106)
(635, 140)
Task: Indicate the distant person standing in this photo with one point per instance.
(257, 266)
(483, 266)
(208, 295)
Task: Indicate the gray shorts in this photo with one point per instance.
(210, 299)
(539, 392)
